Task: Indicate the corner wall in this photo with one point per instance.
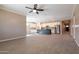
(73, 27)
(77, 24)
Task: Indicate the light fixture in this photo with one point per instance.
(34, 10)
(67, 26)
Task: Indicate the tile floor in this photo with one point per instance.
(41, 44)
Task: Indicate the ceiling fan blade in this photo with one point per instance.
(30, 11)
(40, 9)
(28, 7)
(35, 6)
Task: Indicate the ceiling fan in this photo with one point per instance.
(35, 9)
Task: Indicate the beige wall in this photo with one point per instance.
(77, 24)
(11, 25)
(71, 26)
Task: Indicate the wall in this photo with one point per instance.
(77, 24)
(72, 28)
(11, 25)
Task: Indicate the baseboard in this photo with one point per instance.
(12, 38)
(77, 43)
(75, 40)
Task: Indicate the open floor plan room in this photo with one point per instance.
(39, 29)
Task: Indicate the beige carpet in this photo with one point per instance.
(41, 44)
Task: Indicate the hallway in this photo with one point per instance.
(43, 44)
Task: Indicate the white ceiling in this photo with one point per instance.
(52, 11)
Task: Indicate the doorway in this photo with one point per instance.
(66, 26)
